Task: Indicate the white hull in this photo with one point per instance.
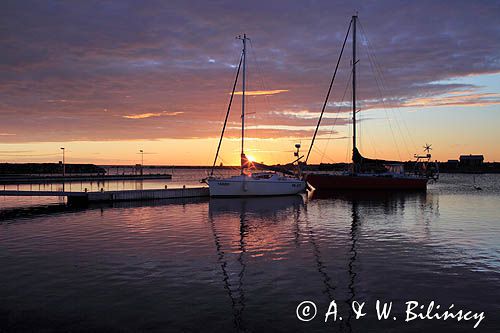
(246, 186)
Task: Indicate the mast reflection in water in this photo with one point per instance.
(229, 209)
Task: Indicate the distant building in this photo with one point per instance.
(452, 164)
(471, 160)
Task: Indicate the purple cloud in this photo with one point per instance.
(76, 70)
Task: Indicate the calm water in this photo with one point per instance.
(245, 264)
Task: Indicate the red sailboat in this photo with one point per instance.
(368, 174)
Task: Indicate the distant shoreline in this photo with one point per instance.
(46, 169)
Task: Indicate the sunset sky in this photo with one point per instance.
(105, 79)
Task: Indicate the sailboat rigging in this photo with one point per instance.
(365, 174)
(257, 183)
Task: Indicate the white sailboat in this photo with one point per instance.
(250, 184)
(256, 184)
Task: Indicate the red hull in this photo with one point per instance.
(339, 182)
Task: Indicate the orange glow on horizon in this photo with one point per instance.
(261, 92)
(201, 151)
(149, 115)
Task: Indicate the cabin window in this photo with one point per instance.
(265, 176)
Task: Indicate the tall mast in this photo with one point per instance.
(244, 39)
(354, 18)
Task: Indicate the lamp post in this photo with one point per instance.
(63, 163)
(142, 161)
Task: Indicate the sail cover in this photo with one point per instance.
(369, 164)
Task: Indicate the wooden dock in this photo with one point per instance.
(109, 196)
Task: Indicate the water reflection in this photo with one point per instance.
(362, 206)
(11, 214)
(390, 200)
(261, 206)
(352, 259)
(235, 295)
(329, 286)
(30, 212)
(223, 211)
(259, 223)
(222, 264)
